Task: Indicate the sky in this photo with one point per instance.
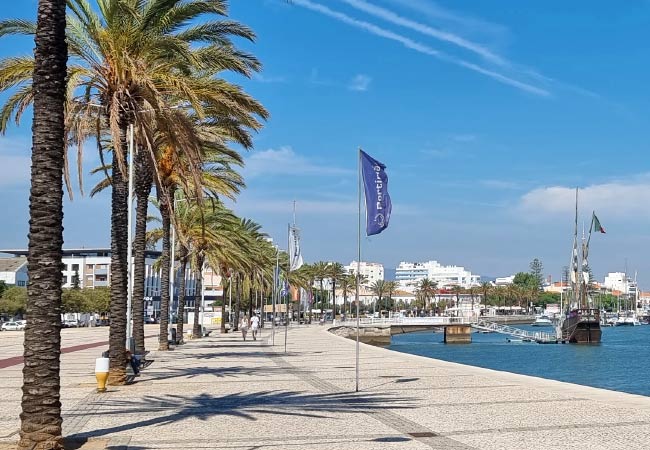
(487, 115)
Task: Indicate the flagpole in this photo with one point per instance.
(286, 303)
(356, 389)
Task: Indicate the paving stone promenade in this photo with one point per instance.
(223, 393)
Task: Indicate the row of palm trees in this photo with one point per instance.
(143, 81)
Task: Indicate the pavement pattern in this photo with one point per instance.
(223, 393)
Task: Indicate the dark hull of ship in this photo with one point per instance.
(581, 330)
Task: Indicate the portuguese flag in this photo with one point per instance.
(596, 225)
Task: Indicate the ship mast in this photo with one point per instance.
(575, 264)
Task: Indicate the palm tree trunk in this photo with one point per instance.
(250, 302)
(311, 302)
(196, 330)
(223, 308)
(143, 182)
(40, 419)
(119, 269)
(180, 323)
(165, 214)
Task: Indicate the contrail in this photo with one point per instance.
(419, 47)
(441, 35)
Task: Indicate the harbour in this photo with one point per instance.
(619, 362)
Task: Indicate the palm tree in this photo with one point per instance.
(137, 60)
(346, 283)
(41, 407)
(379, 289)
(486, 289)
(427, 289)
(335, 272)
(391, 287)
(320, 274)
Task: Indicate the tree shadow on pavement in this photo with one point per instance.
(168, 409)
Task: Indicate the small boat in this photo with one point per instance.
(627, 319)
(542, 321)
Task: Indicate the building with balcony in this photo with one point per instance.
(91, 267)
(372, 271)
(409, 274)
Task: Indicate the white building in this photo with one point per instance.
(13, 271)
(618, 281)
(504, 281)
(372, 271)
(408, 274)
(93, 267)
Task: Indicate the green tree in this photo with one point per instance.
(523, 279)
(3, 287)
(427, 290)
(75, 280)
(537, 271)
(335, 272)
(73, 301)
(378, 288)
(13, 301)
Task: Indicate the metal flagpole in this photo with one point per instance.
(129, 251)
(230, 301)
(358, 272)
(275, 292)
(286, 302)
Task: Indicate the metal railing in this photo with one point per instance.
(431, 321)
(537, 336)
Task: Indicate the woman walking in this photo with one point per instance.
(243, 326)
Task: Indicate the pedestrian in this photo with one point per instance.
(243, 326)
(255, 324)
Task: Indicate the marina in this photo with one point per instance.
(620, 362)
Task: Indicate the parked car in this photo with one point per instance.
(71, 323)
(13, 326)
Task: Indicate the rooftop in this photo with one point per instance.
(12, 264)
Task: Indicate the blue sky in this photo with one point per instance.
(486, 114)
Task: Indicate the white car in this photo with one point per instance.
(13, 326)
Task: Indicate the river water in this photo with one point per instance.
(621, 362)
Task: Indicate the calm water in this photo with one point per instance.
(621, 362)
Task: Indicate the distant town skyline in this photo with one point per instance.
(486, 122)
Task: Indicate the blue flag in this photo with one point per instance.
(375, 183)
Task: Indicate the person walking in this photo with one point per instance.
(255, 324)
(243, 326)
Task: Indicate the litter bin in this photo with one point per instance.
(172, 336)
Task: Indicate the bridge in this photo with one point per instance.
(540, 337)
(457, 329)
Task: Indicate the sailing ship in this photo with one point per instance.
(581, 323)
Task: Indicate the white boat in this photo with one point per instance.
(628, 319)
(542, 321)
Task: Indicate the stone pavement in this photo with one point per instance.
(223, 393)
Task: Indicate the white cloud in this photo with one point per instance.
(360, 83)
(419, 47)
(613, 200)
(284, 161)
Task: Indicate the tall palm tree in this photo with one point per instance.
(41, 407)
(486, 289)
(347, 283)
(391, 287)
(320, 274)
(427, 289)
(335, 272)
(138, 59)
(379, 289)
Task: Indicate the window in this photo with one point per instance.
(75, 267)
(89, 266)
(20, 283)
